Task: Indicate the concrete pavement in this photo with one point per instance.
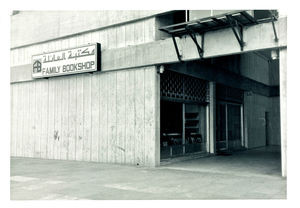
(251, 174)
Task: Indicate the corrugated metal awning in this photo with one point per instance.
(243, 17)
(235, 19)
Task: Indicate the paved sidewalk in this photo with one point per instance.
(245, 175)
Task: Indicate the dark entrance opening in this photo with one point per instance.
(171, 129)
(183, 113)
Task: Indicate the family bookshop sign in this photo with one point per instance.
(71, 61)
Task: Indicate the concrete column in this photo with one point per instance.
(242, 126)
(283, 111)
(157, 121)
(212, 117)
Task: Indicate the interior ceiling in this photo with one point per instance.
(265, 54)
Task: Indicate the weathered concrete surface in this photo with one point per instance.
(106, 117)
(246, 175)
(283, 108)
(29, 27)
(217, 43)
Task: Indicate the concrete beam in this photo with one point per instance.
(216, 43)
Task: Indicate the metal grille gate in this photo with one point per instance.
(182, 87)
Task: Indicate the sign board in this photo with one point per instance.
(70, 61)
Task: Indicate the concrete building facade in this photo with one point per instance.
(163, 87)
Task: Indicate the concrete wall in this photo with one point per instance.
(257, 68)
(255, 107)
(274, 72)
(108, 117)
(274, 121)
(254, 67)
(119, 36)
(29, 27)
(104, 117)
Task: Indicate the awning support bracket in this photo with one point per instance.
(193, 36)
(176, 48)
(237, 29)
(274, 29)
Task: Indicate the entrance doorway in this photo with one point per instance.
(183, 128)
(229, 127)
(171, 129)
(183, 114)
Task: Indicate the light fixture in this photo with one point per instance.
(161, 69)
(274, 54)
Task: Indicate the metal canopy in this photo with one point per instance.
(236, 20)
